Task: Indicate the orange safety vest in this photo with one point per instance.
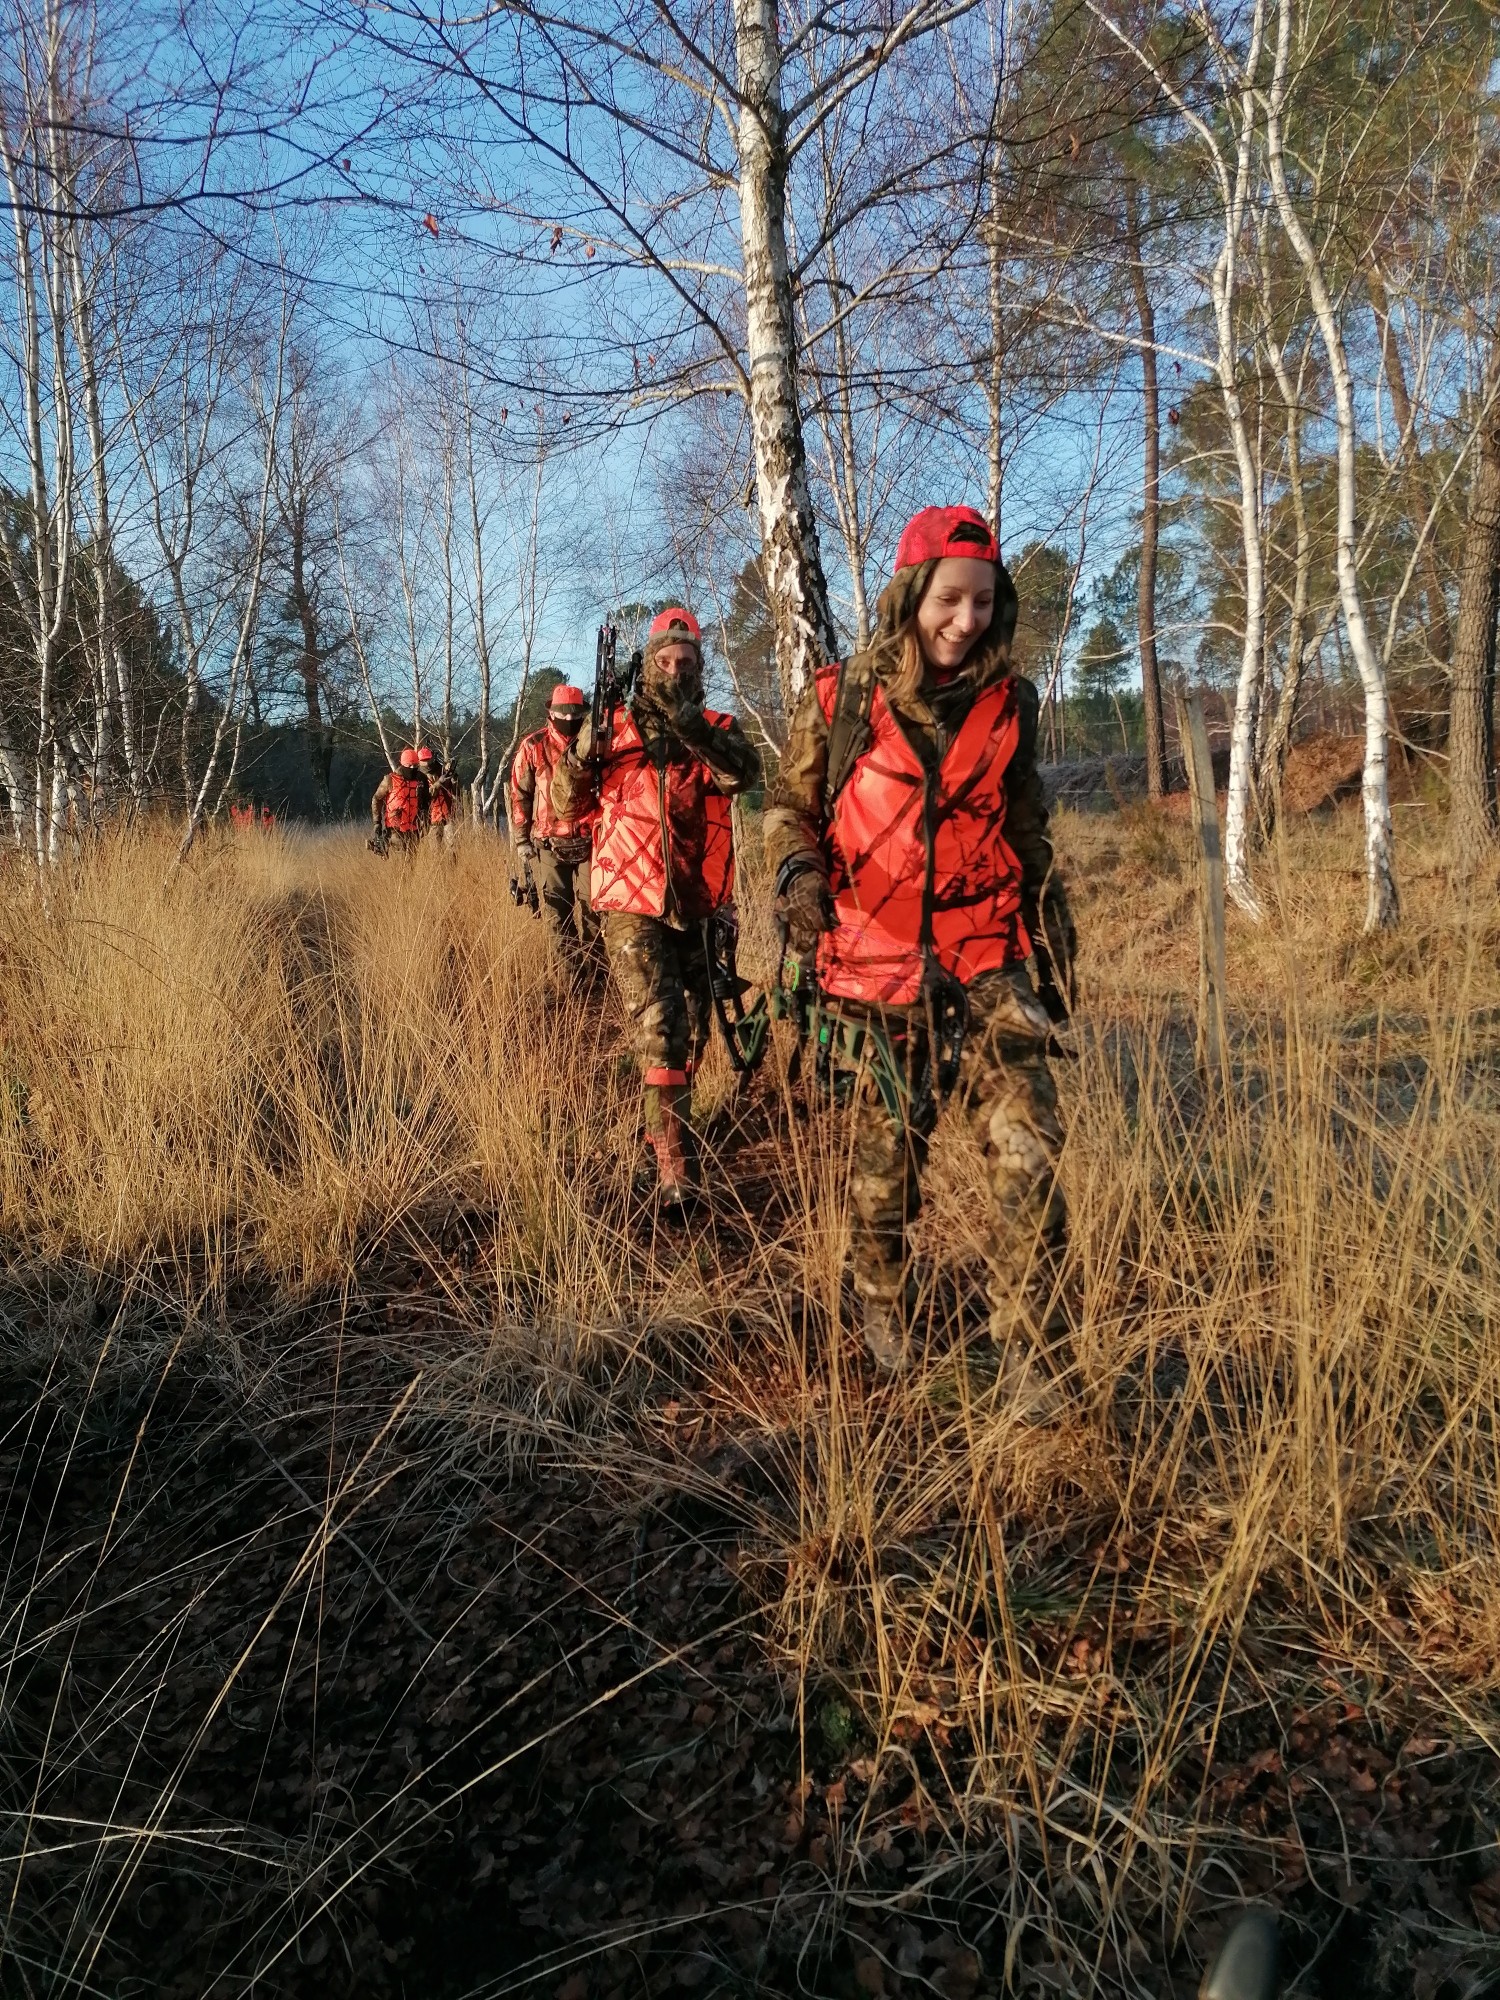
(664, 843)
(403, 803)
(440, 802)
(541, 752)
(922, 859)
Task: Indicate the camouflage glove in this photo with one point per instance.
(682, 717)
(804, 904)
(525, 850)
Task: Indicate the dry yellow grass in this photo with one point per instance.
(1274, 1481)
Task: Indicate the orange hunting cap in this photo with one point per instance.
(674, 623)
(565, 695)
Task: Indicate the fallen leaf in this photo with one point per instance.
(869, 1974)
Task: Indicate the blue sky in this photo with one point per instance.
(390, 189)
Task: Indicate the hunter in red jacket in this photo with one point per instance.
(398, 806)
(663, 861)
(908, 835)
(557, 849)
(442, 795)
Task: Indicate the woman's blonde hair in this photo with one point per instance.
(902, 665)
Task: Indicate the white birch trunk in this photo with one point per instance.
(792, 562)
(448, 596)
(478, 797)
(107, 657)
(1223, 289)
(1383, 904)
(15, 774)
(41, 583)
(995, 380)
(1224, 286)
(57, 814)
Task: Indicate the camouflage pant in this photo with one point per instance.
(662, 979)
(1006, 1093)
(564, 888)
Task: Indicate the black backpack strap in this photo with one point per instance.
(1029, 711)
(849, 725)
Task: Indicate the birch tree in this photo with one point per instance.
(38, 546)
(315, 438)
(1383, 906)
(1156, 738)
(1227, 140)
(675, 161)
(216, 385)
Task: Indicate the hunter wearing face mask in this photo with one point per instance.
(556, 846)
(663, 862)
(908, 835)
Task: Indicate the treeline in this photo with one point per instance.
(379, 400)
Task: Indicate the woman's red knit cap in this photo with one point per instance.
(565, 695)
(675, 623)
(932, 534)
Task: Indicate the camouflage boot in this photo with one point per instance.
(1030, 1327)
(887, 1327)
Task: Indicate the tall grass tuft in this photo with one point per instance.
(288, 1069)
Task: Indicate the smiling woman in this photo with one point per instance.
(909, 837)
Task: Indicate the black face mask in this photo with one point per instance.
(567, 725)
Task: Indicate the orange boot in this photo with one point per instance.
(669, 1104)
